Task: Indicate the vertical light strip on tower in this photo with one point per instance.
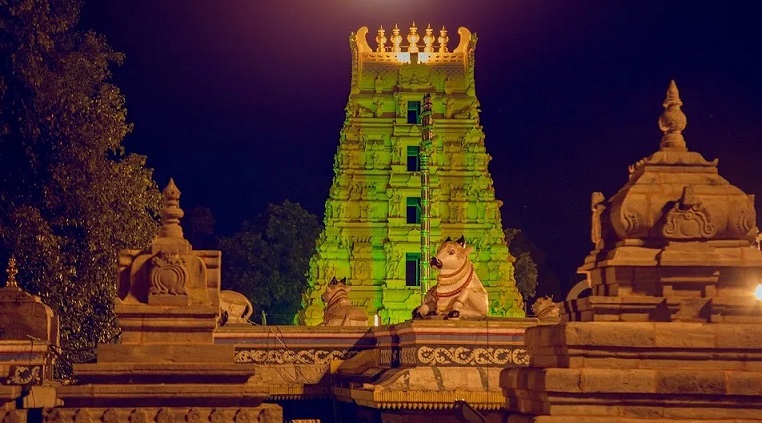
(427, 135)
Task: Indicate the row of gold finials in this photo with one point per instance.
(413, 37)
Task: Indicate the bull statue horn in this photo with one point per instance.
(448, 239)
(461, 241)
(343, 281)
(334, 281)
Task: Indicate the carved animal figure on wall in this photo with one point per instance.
(234, 308)
(458, 292)
(339, 311)
(545, 309)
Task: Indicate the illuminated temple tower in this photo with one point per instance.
(372, 230)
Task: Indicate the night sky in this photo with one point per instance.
(242, 101)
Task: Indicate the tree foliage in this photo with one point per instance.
(525, 268)
(268, 259)
(70, 196)
(200, 228)
(547, 282)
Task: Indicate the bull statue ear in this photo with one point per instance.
(344, 281)
(461, 241)
(333, 281)
(448, 239)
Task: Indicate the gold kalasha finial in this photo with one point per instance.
(672, 121)
(11, 271)
(396, 39)
(171, 213)
(443, 39)
(413, 38)
(428, 40)
(381, 40)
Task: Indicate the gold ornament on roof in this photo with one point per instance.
(381, 40)
(413, 38)
(428, 40)
(443, 39)
(396, 39)
(672, 121)
(11, 271)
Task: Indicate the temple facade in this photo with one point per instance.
(372, 232)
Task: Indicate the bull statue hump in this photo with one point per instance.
(339, 311)
(458, 291)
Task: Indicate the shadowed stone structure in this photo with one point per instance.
(167, 366)
(672, 331)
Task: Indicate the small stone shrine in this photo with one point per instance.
(29, 332)
(672, 331)
(167, 366)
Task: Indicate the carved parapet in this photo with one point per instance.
(429, 364)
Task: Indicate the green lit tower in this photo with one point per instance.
(406, 172)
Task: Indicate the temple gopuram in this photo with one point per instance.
(373, 215)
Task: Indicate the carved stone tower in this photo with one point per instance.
(372, 216)
(672, 331)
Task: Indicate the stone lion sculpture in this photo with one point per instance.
(545, 309)
(339, 311)
(234, 308)
(458, 292)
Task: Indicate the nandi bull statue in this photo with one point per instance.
(458, 292)
(339, 311)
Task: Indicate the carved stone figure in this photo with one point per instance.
(339, 311)
(458, 291)
(545, 309)
(597, 206)
(234, 308)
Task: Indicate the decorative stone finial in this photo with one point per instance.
(429, 39)
(672, 121)
(11, 271)
(381, 40)
(396, 39)
(171, 213)
(413, 38)
(443, 39)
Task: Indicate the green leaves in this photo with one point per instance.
(268, 259)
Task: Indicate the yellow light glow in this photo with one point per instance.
(403, 57)
(758, 292)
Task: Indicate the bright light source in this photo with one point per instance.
(758, 292)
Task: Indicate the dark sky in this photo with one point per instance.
(241, 101)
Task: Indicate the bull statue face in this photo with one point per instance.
(452, 255)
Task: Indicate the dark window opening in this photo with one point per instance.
(413, 161)
(413, 211)
(412, 269)
(414, 112)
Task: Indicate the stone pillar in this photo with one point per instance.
(672, 331)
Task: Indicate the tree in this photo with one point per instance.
(200, 228)
(268, 259)
(545, 280)
(525, 268)
(70, 196)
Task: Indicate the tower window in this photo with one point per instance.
(413, 210)
(413, 162)
(414, 112)
(412, 269)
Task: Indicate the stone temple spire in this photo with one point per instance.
(171, 213)
(672, 121)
